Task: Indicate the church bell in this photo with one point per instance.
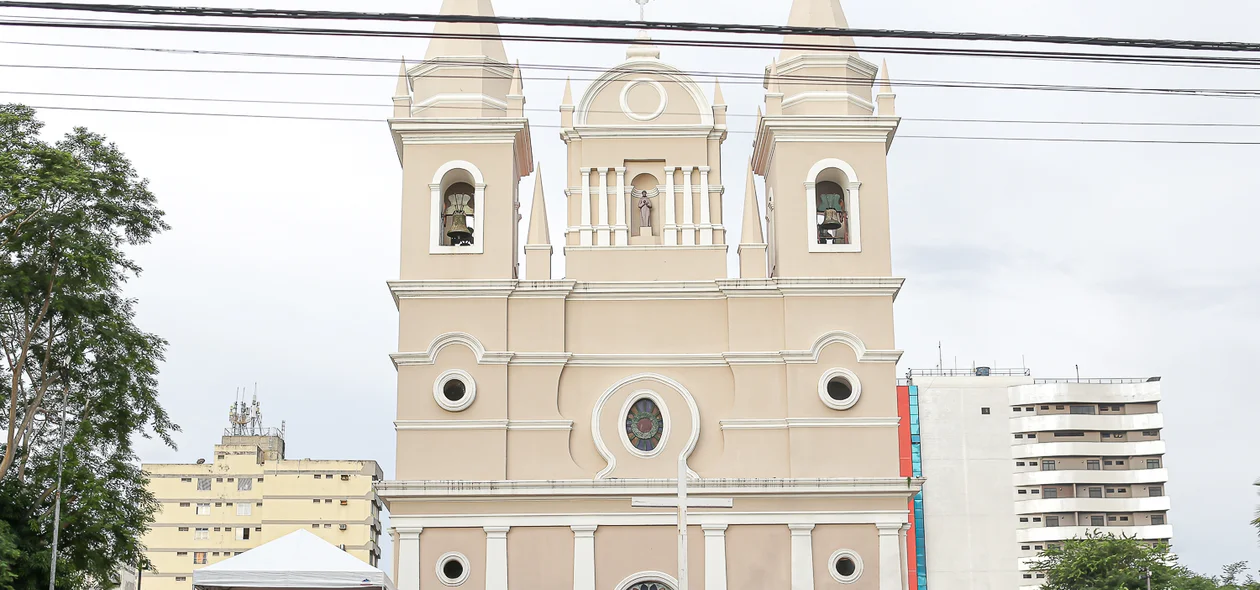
(831, 220)
(457, 220)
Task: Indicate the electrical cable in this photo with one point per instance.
(690, 27)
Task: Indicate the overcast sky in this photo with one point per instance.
(1129, 260)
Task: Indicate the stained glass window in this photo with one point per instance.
(644, 428)
(650, 586)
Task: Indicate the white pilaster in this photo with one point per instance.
(622, 229)
(670, 225)
(689, 216)
(905, 560)
(604, 237)
(714, 556)
(496, 557)
(891, 557)
(803, 556)
(584, 557)
(706, 216)
(409, 559)
(584, 224)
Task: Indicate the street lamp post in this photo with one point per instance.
(61, 458)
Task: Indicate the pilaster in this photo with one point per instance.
(584, 557)
(496, 558)
(803, 556)
(714, 556)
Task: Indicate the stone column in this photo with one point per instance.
(891, 556)
(584, 557)
(409, 558)
(496, 558)
(803, 556)
(622, 228)
(706, 215)
(602, 230)
(689, 199)
(905, 561)
(669, 228)
(714, 556)
(584, 224)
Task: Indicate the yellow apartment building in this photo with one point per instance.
(247, 494)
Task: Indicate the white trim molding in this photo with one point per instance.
(596, 429)
(625, 99)
(648, 576)
(439, 390)
(564, 425)
(788, 423)
(857, 565)
(852, 200)
(855, 386)
(849, 339)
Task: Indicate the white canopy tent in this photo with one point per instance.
(299, 560)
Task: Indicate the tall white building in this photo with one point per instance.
(1015, 464)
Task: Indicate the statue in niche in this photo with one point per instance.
(645, 210)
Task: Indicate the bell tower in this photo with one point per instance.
(822, 148)
(464, 144)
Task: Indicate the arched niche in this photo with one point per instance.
(448, 190)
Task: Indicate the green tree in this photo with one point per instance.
(1109, 562)
(74, 365)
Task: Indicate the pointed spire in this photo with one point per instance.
(487, 42)
(752, 214)
(539, 234)
(717, 92)
(885, 100)
(885, 80)
(772, 78)
(404, 83)
(518, 85)
(568, 92)
(815, 13)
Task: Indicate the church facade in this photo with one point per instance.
(543, 423)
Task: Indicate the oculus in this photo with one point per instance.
(645, 426)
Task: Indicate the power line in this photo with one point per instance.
(692, 27)
(385, 105)
(933, 137)
(739, 79)
(932, 51)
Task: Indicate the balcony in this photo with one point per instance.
(1063, 533)
(1044, 505)
(1124, 391)
(1093, 476)
(1089, 449)
(1088, 422)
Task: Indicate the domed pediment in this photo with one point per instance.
(644, 92)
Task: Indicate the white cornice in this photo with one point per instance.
(786, 423)
(565, 425)
(647, 360)
(643, 487)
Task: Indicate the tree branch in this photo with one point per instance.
(10, 451)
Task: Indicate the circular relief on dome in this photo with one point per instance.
(643, 99)
(645, 426)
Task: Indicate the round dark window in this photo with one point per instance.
(453, 569)
(454, 390)
(839, 389)
(845, 567)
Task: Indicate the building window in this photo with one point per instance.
(1036, 519)
(1119, 462)
(318, 476)
(244, 484)
(1026, 548)
(1023, 491)
(1107, 463)
(985, 411)
(1155, 491)
(1152, 463)
(1095, 492)
(1028, 409)
(244, 509)
(1040, 576)
(328, 500)
(203, 484)
(1083, 410)
(1019, 436)
(218, 479)
(1019, 463)
(315, 500)
(1111, 490)
(1111, 519)
(1122, 490)
(452, 569)
(1150, 433)
(1106, 435)
(1037, 547)
(1092, 465)
(1069, 433)
(845, 566)
(345, 502)
(181, 553)
(1052, 521)
(199, 558)
(242, 534)
(181, 579)
(186, 479)
(1096, 521)
(203, 509)
(1047, 465)
(1036, 491)
(454, 391)
(1017, 409)
(1058, 407)
(201, 534)
(1033, 435)
(1045, 407)
(645, 425)
(184, 504)
(1027, 576)
(1124, 519)
(1157, 519)
(1050, 493)
(1023, 519)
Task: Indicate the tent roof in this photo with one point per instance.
(297, 560)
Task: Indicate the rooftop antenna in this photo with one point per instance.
(1078, 373)
(940, 356)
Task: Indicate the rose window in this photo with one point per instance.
(644, 428)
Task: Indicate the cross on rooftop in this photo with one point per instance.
(642, 4)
